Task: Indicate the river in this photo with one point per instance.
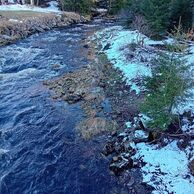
(40, 152)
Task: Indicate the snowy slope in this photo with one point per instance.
(53, 7)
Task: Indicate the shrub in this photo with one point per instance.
(139, 23)
(176, 47)
(180, 37)
(178, 33)
(166, 88)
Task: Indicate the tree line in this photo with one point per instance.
(160, 15)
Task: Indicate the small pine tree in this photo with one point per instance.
(166, 88)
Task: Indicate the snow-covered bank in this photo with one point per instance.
(117, 40)
(165, 168)
(53, 7)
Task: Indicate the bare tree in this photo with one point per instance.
(109, 5)
(32, 2)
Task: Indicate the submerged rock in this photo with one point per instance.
(191, 167)
(93, 126)
(109, 148)
(120, 163)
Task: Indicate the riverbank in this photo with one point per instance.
(109, 89)
(15, 25)
(165, 159)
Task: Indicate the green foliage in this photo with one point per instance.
(81, 6)
(180, 38)
(179, 34)
(116, 5)
(181, 9)
(176, 47)
(156, 13)
(166, 88)
(162, 15)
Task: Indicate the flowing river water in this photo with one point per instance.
(40, 152)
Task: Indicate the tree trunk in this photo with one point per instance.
(192, 5)
(32, 2)
(109, 5)
(37, 3)
(62, 5)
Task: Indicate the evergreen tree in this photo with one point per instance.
(81, 6)
(157, 13)
(116, 5)
(181, 9)
(167, 86)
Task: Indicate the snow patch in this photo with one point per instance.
(166, 168)
(129, 124)
(139, 134)
(13, 20)
(119, 40)
(53, 7)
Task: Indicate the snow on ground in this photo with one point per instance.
(166, 168)
(118, 40)
(188, 105)
(115, 42)
(53, 7)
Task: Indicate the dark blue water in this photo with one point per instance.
(40, 152)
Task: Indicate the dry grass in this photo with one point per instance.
(20, 15)
(20, 24)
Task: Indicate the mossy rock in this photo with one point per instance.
(93, 126)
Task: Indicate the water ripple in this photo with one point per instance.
(40, 152)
